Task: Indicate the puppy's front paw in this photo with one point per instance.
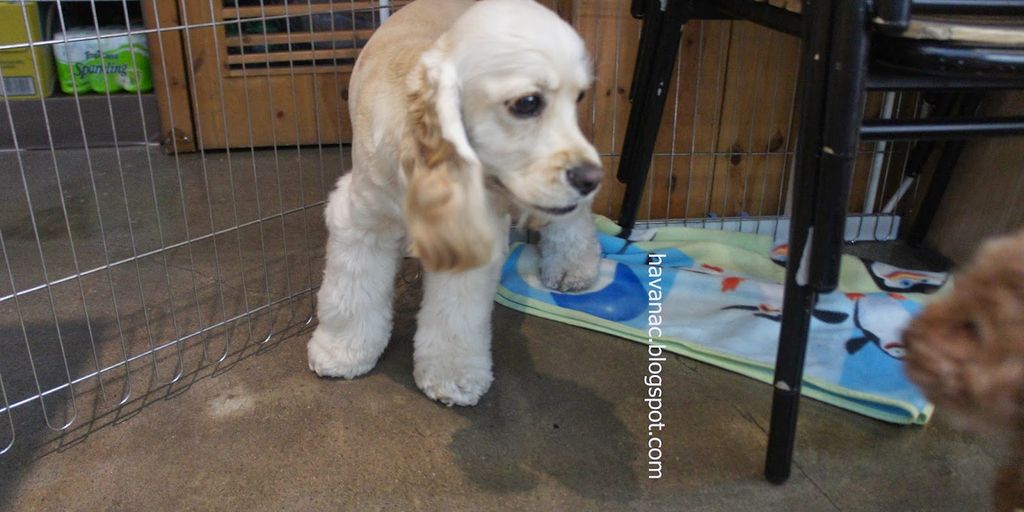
(569, 276)
(330, 357)
(452, 383)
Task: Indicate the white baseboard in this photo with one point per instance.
(859, 227)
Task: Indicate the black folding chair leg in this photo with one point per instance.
(797, 307)
(832, 98)
(798, 301)
(659, 46)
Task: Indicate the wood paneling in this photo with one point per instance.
(609, 32)
(726, 139)
(985, 197)
(726, 131)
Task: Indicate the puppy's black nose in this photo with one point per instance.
(585, 178)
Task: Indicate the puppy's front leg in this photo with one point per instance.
(569, 251)
(453, 338)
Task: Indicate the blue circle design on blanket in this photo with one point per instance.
(510, 278)
(623, 299)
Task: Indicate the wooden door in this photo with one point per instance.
(274, 72)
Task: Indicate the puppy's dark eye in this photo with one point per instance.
(580, 97)
(527, 106)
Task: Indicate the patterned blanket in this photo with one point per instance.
(718, 298)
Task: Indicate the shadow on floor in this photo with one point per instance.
(534, 425)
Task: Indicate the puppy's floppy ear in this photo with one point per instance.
(445, 205)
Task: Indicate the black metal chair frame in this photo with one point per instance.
(836, 70)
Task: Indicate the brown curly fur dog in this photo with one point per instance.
(966, 352)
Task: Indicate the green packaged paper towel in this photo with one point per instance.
(123, 64)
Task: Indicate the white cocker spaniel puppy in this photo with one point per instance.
(463, 114)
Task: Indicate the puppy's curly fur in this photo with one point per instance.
(966, 352)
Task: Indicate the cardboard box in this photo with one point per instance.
(23, 76)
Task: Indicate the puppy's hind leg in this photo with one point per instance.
(354, 301)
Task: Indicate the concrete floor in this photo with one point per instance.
(563, 427)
